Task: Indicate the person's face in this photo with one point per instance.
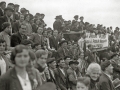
(40, 30)
(42, 60)
(37, 22)
(109, 69)
(42, 16)
(29, 46)
(8, 30)
(22, 59)
(67, 61)
(38, 47)
(76, 18)
(53, 65)
(69, 45)
(22, 29)
(9, 13)
(75, 45)
(27, 18)
(45, 33)
(74, 66)
(81, 18)
(81, 56)
(2, 47)
(64, 45)
(81, 86)
(21, 17)
(55, 33)
(49, 34)
(16, 9)
(116, 57)
(62, 64)
(3, 6)
(94, 75)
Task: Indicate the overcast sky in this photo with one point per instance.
(106, 12)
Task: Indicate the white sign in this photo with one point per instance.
(98, 41)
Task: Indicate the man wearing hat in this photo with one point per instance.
(72, 75)
(105, 80)
(57, 25)
(75, 23)
(16, 14)
(2, 7)
(6, 18)
(63, 51)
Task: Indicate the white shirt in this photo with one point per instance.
(81, 43)
(25, 83)
(2, 66)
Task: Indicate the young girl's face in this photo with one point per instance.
(81, 86)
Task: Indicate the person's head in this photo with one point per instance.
(82, 55)
(94, 71)
(27, 17)
(90, 47)
(58, 19)
(6, 27)
(83, 83)
(44, 33)
(67, 60)
(3, 5)
(41, 57)
(73, 64)
(10, 5)
(42, 16)
(16, 7)
(40, 30)
(23, 11)
(81, 18)
(27, 43)
(107, 67)
(20, 56)
(75, 44)
(63, 44)
(37, 46)
(55, 33)
(37, 21)
(22, 28)
(3, 46)
(8, 11)
(76, 17)
(51, 63)
(61, 63)
(49, 33)
(21, 17)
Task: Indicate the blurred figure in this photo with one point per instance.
(2, 7)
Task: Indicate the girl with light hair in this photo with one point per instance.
(93, 72)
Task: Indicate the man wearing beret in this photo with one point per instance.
(72, 75)
(2, 7)
(105, 81)
(6, 17)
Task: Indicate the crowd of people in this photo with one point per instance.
(34, 57)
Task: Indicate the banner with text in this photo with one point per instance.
(98, 41)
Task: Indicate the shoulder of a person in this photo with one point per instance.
(69, 70)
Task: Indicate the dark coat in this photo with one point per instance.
(34, 28)
(90, 56)
(1, 12)
(57, 26)
(53, 42)
(105, 83)
(62, 80)
(2, 20)
(16, 39)
(15, 27)
(10, 81)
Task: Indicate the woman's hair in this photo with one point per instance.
(84, 80)
(92, 67)
(39, 53)
(16, 50)
(32, 55)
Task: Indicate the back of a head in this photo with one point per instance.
(39, 53)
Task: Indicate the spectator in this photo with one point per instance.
(2, 7)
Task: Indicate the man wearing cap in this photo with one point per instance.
(2, 7)
(72, 75)
(16, 14)
(81, 23)
(63, 51)
(75, 23)
(61, 75)
(6, 17)
(51, 68)
(57, 25)
(105, 81)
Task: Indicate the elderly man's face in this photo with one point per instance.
(95, 74)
